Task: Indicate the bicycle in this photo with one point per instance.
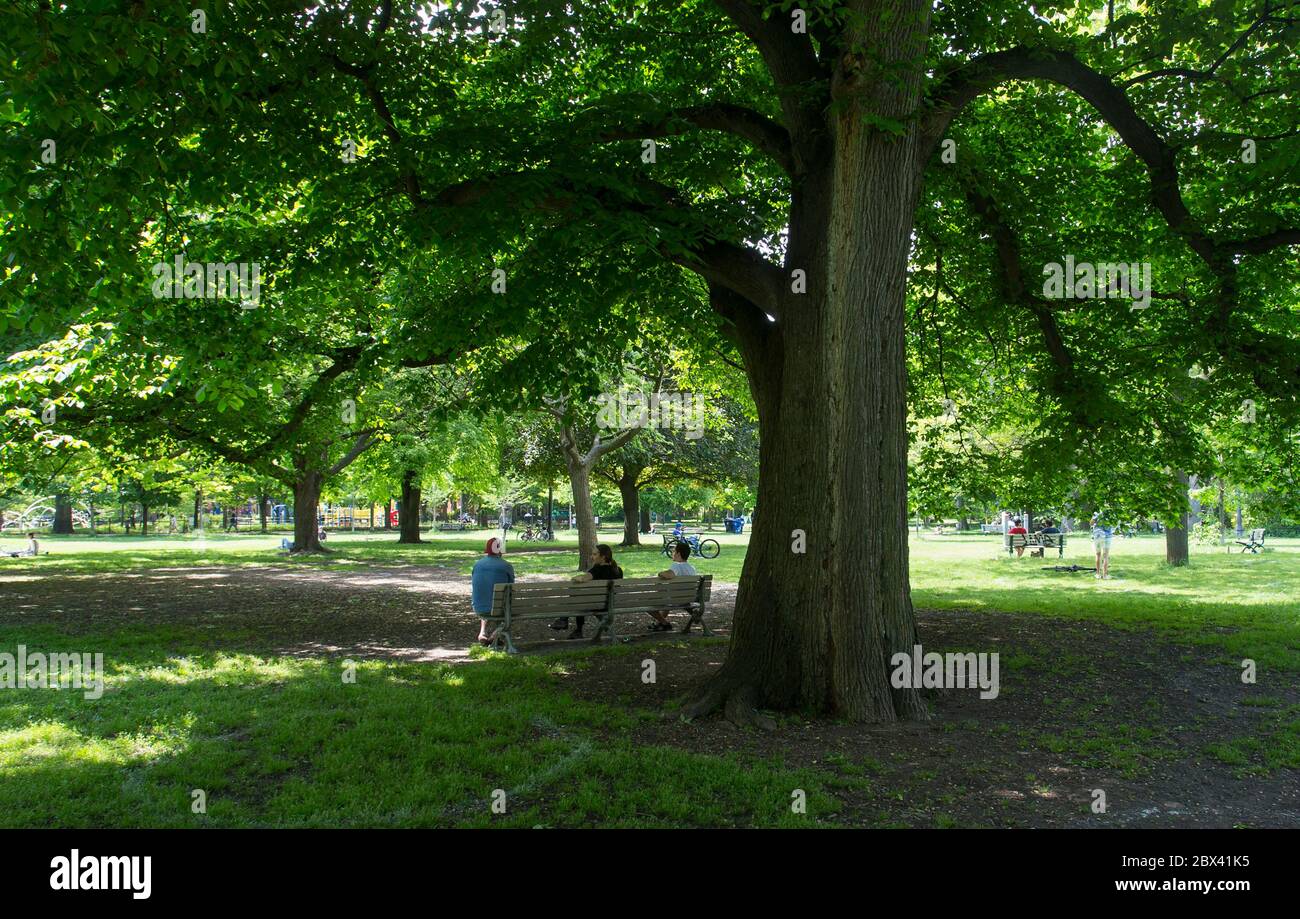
(704, 548)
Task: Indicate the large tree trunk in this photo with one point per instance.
(408, 518)
(631, 495)
(1176, 550)
(306, 498)
(580, 479)
(645, 518)
(388, 515)
(62, 514)
(262, 508)
(816, 630)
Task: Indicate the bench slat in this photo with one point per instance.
(572, 603)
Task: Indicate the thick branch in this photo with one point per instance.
(764, 133)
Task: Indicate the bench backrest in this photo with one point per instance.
(576, 599)
(560, 597)
(636, 594)
(1257, 535)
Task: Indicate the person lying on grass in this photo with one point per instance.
(489, 571)
(682, 567)
(603, 568)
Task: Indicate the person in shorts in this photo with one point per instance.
(1102, 532)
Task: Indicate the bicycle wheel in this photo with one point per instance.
(709, 548)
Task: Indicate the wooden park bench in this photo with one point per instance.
(457, 527)
(1037, 543)
(605, 600)
(1255, 542)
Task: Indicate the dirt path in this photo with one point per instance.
(1081, 706)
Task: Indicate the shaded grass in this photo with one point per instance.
(287, 742)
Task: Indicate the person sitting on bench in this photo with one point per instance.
(681, 566)
(1018, 530)
(489, 571)
(603, 568)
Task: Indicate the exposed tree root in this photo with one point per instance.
(741, 711)
(736, 701)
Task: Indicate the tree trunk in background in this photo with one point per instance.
(91, 516)
(1176, 549)
(580, 479)
(408, 518)
(62, 514)
(198, 503)
(263, 502)
(631, 495)
(645, 520)
(1240, 530)
(306, 499)
(144, 519)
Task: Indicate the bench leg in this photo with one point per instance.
(697, 615)
(502, 641)
(605, 624)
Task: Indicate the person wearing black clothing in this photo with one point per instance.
(603, 568)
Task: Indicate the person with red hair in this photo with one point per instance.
(489, 571)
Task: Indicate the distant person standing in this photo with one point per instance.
(33, 547)
(489, 571)
(1102, 533)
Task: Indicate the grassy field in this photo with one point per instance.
(273, 740)
(1256, 596)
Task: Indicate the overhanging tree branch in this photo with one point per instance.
(764, 133)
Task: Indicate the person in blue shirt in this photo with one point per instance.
(489, 571)
(1102, 531)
